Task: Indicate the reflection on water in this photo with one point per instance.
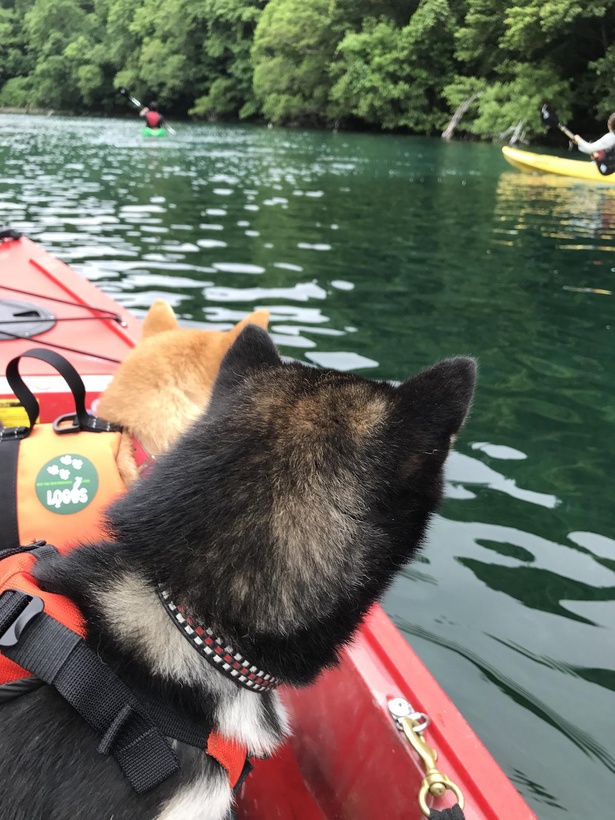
(463, 470)
(565, 209)
(381, 255)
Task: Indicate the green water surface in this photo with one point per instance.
(381, 254)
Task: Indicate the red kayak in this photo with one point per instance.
(371, 737)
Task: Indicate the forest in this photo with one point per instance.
(403, 65)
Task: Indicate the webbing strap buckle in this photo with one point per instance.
(75, 422)
(14, 433)
(17, 609)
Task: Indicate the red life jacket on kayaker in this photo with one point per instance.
(59, 484)
(153, 119)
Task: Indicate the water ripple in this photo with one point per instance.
(381, 255)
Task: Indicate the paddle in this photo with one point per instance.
(126, 93)
(549, 117)
(605, 160)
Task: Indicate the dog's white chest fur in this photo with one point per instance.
(206, 798)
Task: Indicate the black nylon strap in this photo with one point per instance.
(16, 688)
(5, 552)
(247, 768)
(173, 724)
(12, 604)
(132, 727)
(454, 813)
(72, 379)
(60, 657)
(41, 548)
(48, 639)
(9, 532)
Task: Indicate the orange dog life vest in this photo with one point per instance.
(16, 573)
(62, 485)
(54, 487)
(54, 490)
(16, 576)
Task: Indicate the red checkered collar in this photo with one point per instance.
(220, 655)
(143, 459)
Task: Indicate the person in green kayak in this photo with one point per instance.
(605, 143)
(153, 117)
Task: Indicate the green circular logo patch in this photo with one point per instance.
(67, 484)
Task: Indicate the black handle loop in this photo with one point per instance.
(81, 419)
(454, 813)
(8, 233)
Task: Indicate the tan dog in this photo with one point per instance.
(165, 382)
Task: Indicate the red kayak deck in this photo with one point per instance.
(346, 758)
(95, 343)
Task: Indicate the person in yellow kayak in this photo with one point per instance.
(605, 143)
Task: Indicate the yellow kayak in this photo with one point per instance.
(545, 164)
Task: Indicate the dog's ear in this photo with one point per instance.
(437, 401)
(252, 351)
(159, 317)
(260, 318)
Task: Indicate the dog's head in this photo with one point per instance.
(165, 382)
(284, 512)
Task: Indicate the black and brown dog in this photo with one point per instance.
(276, 521)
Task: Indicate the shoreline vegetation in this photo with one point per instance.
(43, 112)
(473, 69)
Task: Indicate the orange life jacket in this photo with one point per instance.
(16, 575)
(55, 479)
(63, 483)
(55, 490)
(54, 487)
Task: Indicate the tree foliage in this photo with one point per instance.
(294, 43)
(393, 76)
(391, 64)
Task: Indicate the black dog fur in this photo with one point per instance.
(277, 520)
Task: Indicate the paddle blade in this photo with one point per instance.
(126, 93)
(548, 116)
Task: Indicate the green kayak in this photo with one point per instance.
(153, 132)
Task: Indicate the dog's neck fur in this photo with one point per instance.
(130, 628)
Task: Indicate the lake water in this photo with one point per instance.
(381, 254)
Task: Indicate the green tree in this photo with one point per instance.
(394, 77)
(478, 35)
(166, 54)
(294, 45)
(525, 51)
(14, 61)
(507, 102)
(226, 50)
(385, 63)
(49, 26)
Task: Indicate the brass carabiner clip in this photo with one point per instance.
(435, 782)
